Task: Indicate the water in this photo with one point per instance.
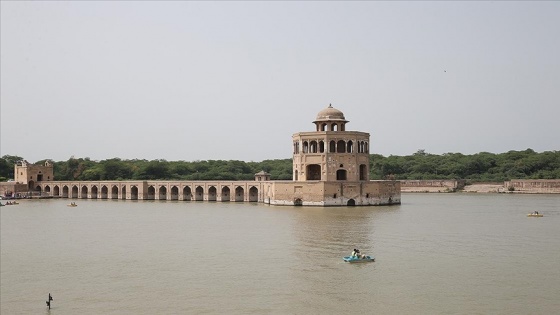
(435, 254)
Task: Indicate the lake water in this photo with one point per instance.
(435, 254)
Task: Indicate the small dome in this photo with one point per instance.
(329, 114)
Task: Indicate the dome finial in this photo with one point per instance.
(330, 105)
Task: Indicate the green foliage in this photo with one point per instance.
(7, 163)
(480, 167)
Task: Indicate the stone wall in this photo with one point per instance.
(538, 186)
(440, 185)
(12, 189)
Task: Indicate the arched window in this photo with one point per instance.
(313, 146)
(350, 146)
(321, 146)
(332, 147)
(340, 146)
(324, 127)
(334, 127)
(305, 147)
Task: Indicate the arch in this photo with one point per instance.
(123, 193)
(341, 175)
(313, 146)
(313, 172)
(84, 192)
(74, 191)
(212, 193)
(225, 193)
(342, 126)
(162, 193)
(65, 191)
(366, 148)
(239, 191)
(151, 193)
(38, 188)
(296, 175)
(115, 192)
(324, 127)
(47, 189)
(56, 191)
(174, 193)
(340, 146)
(332, 146)
(334, 127)
(363, 172)
(253, 194)
(187, 194)
(305, 147)
(30, 185)
(199, 193)
(321, 146)
(133, 192)
(350, 146)
(298, 202)
(351, 202)
(94, 192)
(104, 192)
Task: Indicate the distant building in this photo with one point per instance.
(30, 174)
(331, 168)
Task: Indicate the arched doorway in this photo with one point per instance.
(104, 192)
(114, 192)
(74, 191)
(212, 193)
(239, 191)
(199, 194)
(84, 192)
(133, 192)
(351, 202)
(94, 192)
(225, 193)
(174, 193)
(151, 193)
(253, 194)
(187, 194)
(162, 195)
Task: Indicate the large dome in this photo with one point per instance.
(330, 114)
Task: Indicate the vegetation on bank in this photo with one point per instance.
(480, 167)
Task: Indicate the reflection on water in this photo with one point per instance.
(435, 254)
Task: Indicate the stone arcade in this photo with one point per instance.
(330, 168)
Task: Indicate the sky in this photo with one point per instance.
(227, 80)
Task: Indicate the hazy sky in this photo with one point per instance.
(234, 80)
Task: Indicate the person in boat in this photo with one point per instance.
(355, 253)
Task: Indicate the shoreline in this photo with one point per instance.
(474, 188)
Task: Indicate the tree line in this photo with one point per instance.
(480, 167)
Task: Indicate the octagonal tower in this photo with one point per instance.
(330, 153)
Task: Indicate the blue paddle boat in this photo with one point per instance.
(356, 259)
